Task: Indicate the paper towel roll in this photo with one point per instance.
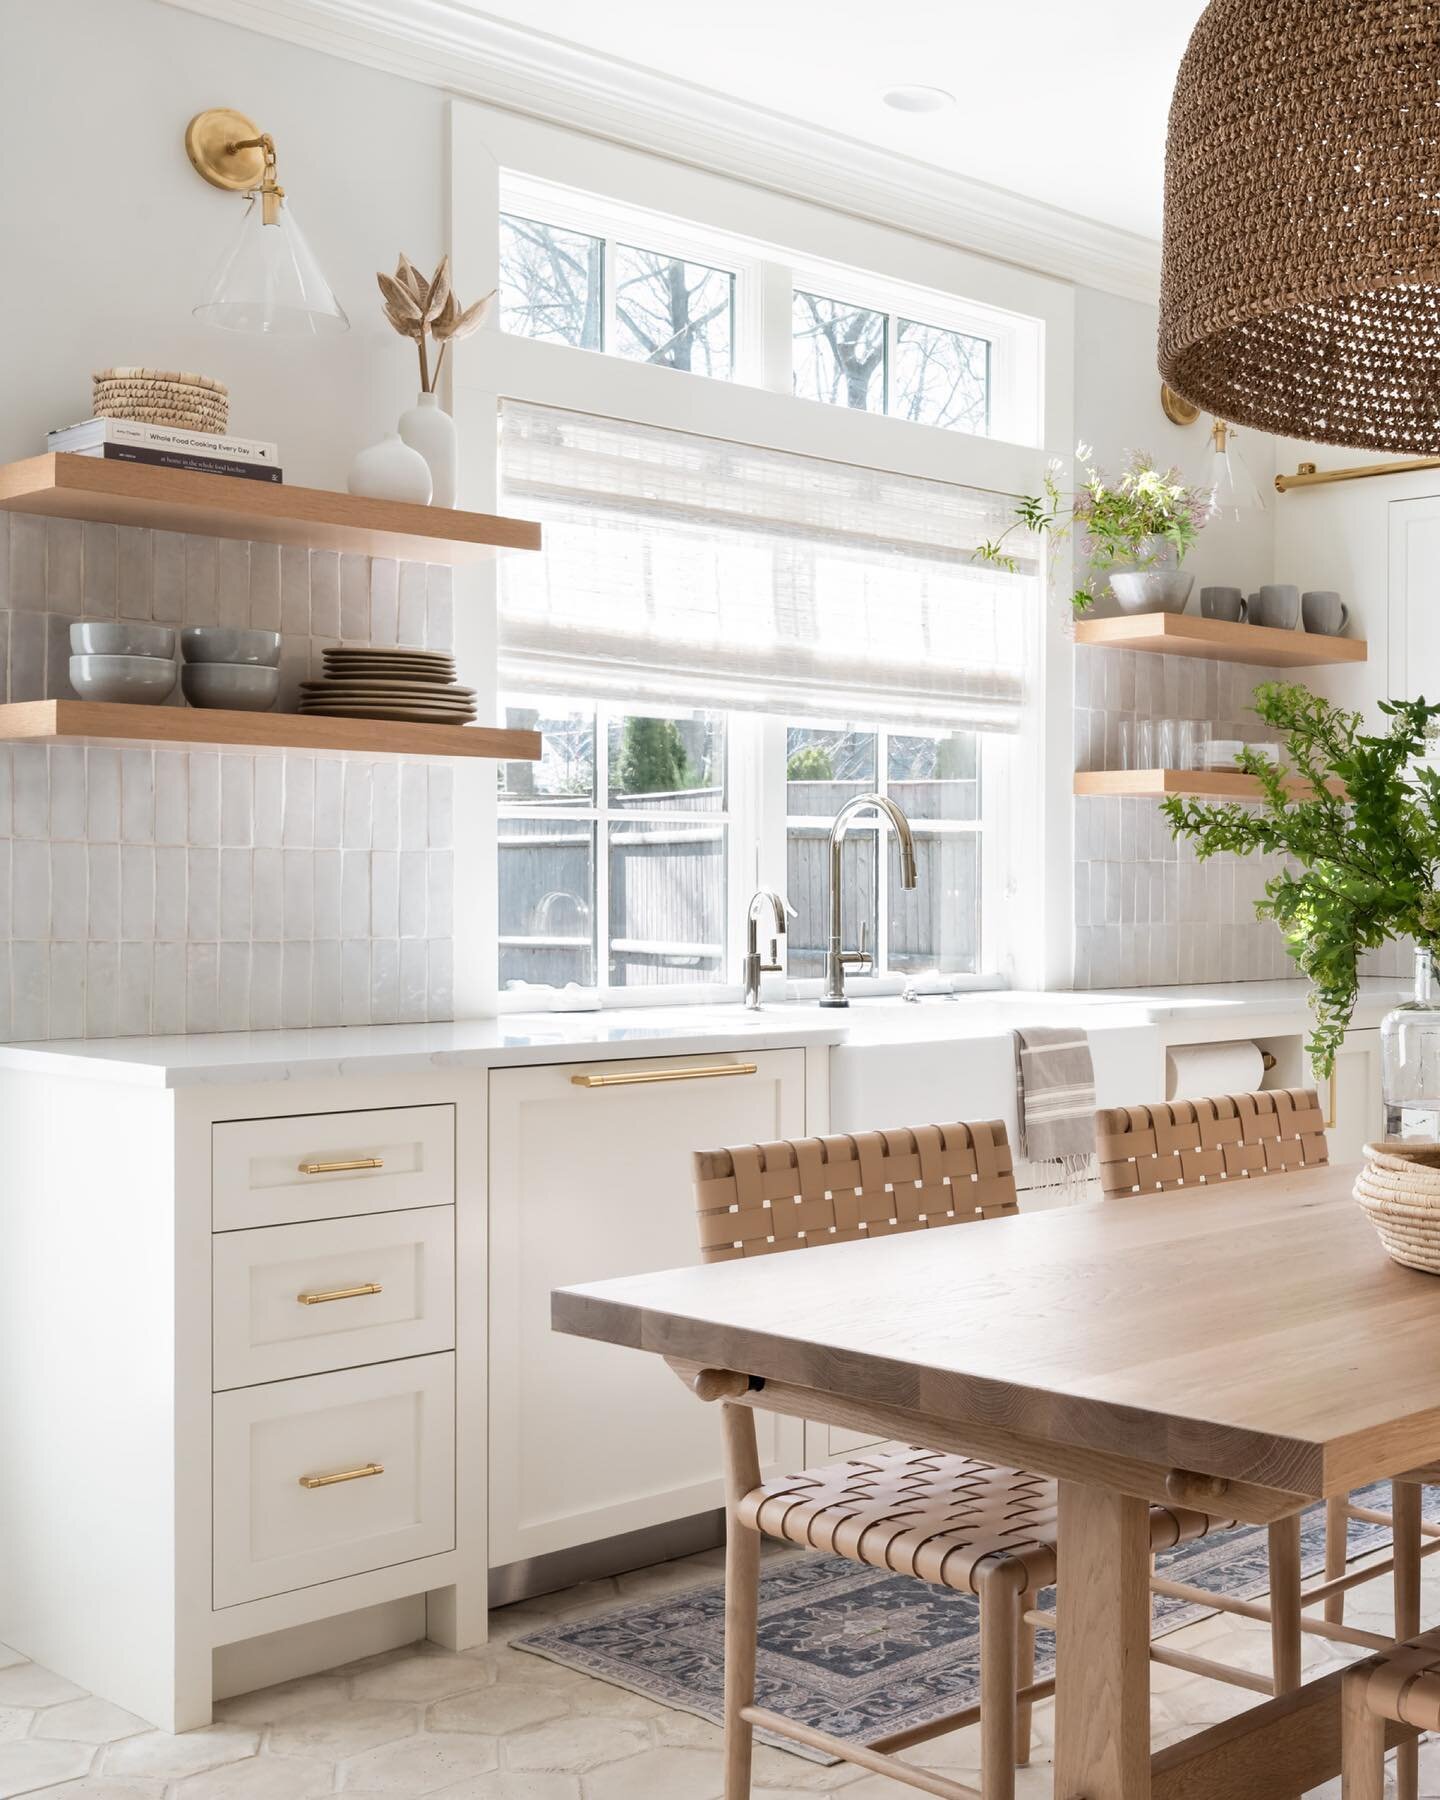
(1194, 1070)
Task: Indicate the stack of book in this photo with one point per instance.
(168, 447)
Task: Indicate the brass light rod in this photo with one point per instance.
(1307, 475)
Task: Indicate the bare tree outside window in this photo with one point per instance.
(941, 377)
(551, 283)
(675, 313)
(839, 353)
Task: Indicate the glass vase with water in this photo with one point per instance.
(1410, 1060)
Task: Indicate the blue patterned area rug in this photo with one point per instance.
(859, 1653)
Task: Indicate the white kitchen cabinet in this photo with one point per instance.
(333, 1475)
(1351, 1097)
(589, 1440)
(294, 1300)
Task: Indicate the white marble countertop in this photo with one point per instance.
(1221, 1010)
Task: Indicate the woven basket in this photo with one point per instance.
(1399, 1191)
(162, 397)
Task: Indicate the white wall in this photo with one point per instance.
(1117, 410)
(110, 234)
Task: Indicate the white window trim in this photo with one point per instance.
(485, 139)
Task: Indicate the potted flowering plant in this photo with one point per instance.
(1134, 532)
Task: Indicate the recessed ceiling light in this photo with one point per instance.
(918, 99)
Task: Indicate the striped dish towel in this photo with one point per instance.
(1056, 1081)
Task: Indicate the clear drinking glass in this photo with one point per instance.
(1201, 732)
(1144, 743)
(1125, 744)
(1166, 747)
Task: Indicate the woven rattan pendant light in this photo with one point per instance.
(1300, 291)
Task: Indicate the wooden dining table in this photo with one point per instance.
(1247, 1347)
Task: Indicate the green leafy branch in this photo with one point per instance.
(1358, 819)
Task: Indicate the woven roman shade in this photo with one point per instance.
(690, 571)
(1300, 291)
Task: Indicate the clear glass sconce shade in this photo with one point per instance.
(1234, 489)
(269, 281)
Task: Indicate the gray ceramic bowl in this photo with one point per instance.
(239, 686)
(138, 680)
(223, 644)
(88, 637)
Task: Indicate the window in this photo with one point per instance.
(613, 849)
(673, 312)
(597, 293)
(935, 781)
(651, 905)
(589, 273)
(880, 362)
(551, 283)
(702, 610)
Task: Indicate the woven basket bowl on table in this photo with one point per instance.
(1399, 1192)
(162, 397)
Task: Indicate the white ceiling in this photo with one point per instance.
(1062, 102)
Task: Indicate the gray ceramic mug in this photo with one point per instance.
(1277, 605)
(1324, 611)
(1222, 603)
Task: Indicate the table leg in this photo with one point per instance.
(1102, 1695)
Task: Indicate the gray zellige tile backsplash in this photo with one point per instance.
(1147, 910)
(146, 891)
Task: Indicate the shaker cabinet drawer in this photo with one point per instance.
(332, 1475)
(298, 1299)
(326, 1165)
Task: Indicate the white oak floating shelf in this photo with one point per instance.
(1157, 784)
(1178, 634)
(96, 721)
(229, 506)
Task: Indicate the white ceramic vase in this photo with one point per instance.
(391, 470)
(428, 428)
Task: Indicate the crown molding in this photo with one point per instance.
(446, 44)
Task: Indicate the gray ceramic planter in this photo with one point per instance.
(1151, 590)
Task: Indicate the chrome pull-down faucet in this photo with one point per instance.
(836, 959)
(754, 966)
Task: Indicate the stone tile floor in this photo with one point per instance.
(494, 1724)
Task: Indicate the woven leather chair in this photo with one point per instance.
(957, 1521)
(1238, 1137)
(1402, 1686)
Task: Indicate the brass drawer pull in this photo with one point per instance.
(319, 1481)
(642, 1076)
(350, 1293)
(336, 1168)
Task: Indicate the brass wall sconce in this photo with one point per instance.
(268, 280)
(1177, 410)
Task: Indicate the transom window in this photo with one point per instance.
(592, 274)
(880, 362)
(598, 293)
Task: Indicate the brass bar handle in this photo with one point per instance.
(319, 1481)
(643, 1076)
(336, 1168)
(313, 1298)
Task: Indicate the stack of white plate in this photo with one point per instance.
(362, 682)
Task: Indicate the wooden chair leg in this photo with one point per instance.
(1024, 1675)
(1336, 1535)
(1362, 1751)
(1405, 1498)
(742, 1596)
(1000, 1586)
